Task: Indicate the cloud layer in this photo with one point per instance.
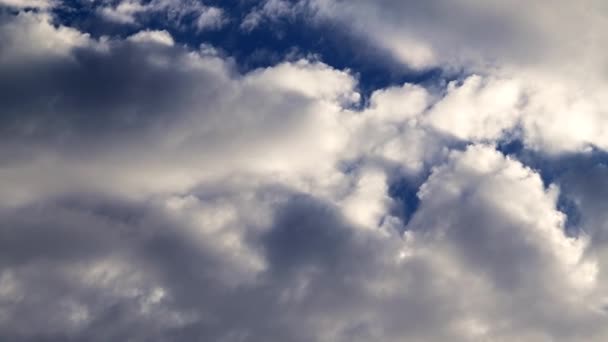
(153, 192)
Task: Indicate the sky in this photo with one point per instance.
(303, 170)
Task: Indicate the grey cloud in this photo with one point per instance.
(99, 95)
(322, 279)
(520, 33)
(307, 241)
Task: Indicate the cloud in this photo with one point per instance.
(40, 4)
(272, 11)
(152, 192)
(124, 12)
(497, 221)
(184, 267)
(516, 34)
(176, 13)
(30, 36)
(212, 18)
(547, 52)
(479, 109)
(462, 180)
(93, 108)
(158, 37)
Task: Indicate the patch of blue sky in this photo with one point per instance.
(269, 43)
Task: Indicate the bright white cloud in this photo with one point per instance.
(541, 62)
(158, 37)
(30, 35)
(124, 12)
(28, 3)
(479, 109)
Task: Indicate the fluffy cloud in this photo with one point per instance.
(28, 37)
(497, 221)
(124, 12)
(158, 37)
(202, 128)
(544, 56)
(479, 109)
(211, 18)
(152, 192)
(453, 32)
(28, 3)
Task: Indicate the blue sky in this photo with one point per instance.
(265, 45)
(303, 170)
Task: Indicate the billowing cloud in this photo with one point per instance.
(28, 3)
(152, 191)
(547, 53)
(521, 33)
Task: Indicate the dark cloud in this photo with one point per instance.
(308, 241)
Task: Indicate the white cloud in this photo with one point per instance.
(566, 116)
(391, 130)
(28, 3)
(466, 31)
(493, 220)
(30, 35)
(212, 18)
(124, 12)
(479, 109)
(369, 201)
(540, 62)
(550, 115)
(282, 113)
(489, 183)
(270, 11)
(158, 37)
(174, 12)
(152, 192)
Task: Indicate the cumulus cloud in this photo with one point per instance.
(479, 109)
(496, 220)
(41, 4)
(548, 52)
(517, 33)
(152, 192)
(32, 36)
